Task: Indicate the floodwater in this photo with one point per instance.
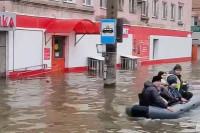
(78, 103)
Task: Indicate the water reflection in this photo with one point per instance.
(108, 115)
(4, 107)
(78, 103)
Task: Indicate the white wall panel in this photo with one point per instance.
(28, 49)
(86, 47)
(125, 48)
(171, 47)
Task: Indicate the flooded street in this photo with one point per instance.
(77, 103)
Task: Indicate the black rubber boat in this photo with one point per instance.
(160, 113)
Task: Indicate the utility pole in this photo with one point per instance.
(111, 49)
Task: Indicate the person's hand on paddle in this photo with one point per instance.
(170, 109)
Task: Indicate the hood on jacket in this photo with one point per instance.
(172, 79)
(172, 72)
(148, 84)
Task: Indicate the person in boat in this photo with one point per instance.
(163, 76)
(181, 86)
(172, 81)
(164, 91)
(150, 95)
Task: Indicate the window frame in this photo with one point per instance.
(103, 4)
(121, 5)
(86, 4)
(155, 8)
(173, 12)
(144, 6)
(132, 6)
(55, 0)
(67, 1)
(164, 10)
(180, 13)
(195, 23)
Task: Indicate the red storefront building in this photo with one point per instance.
(61, 36)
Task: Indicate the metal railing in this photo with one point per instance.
(95, 67)
(128, 63)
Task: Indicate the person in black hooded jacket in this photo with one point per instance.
(150, 95)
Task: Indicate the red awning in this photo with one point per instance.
(83, 26)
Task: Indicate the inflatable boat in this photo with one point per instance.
(160, 113)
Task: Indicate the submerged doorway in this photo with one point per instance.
(58, 53)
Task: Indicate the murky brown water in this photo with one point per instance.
(77, 103)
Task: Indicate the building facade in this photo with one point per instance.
(165, 14)
(195, 28)
(62, 34)
(195, 13)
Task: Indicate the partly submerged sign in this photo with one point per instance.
(7, 21)
(108, 31)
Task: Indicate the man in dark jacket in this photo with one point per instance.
(150, 94)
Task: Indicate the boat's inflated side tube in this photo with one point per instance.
(137, 111)
(160, 113)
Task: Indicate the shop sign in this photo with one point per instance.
(125, 32)
(7, 21)
(108, 31)
(46, 53)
